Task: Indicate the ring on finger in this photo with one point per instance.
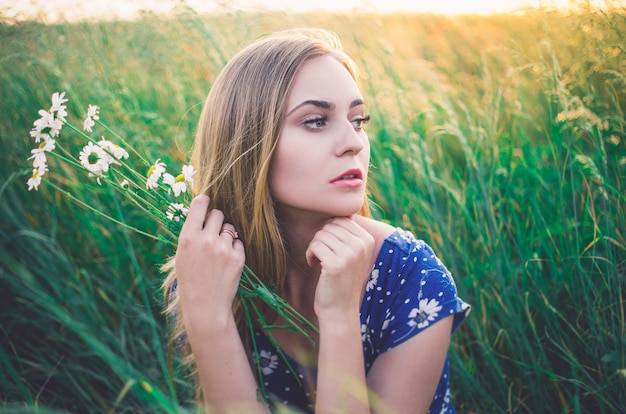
(231, 233)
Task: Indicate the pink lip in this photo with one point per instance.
(350, 178)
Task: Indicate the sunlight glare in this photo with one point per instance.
(50, 11)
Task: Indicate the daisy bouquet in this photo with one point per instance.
(161, 196)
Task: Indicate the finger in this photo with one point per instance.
(230, 231)
(197, 212)
(239, 248)
(214, 221)
(334, 231)
(311, 257)
(343, 226)
(353, 234)
(319, 250)
(336, 236)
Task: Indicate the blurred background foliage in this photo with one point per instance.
(500, 140)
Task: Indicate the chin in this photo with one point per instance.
(348, 210)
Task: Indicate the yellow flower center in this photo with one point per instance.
(150, 171)
(43, 144)
(180, 178)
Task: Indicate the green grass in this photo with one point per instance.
(526, 207)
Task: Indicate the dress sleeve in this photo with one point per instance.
(422, 293)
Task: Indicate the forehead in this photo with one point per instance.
(323, 78)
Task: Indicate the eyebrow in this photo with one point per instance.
(323, 104)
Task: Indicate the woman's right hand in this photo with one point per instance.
(208, 264)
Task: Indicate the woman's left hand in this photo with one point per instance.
(343, 249)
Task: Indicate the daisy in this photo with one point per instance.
(39, 153)
(95, 160)
(169, 179)
(34, 181)
(154, 173)
(176, 211)
(88, 124)
(46, 126)
(182, 181)
(424, 314)
(58, 99)
(115, 150)
(45, 119)
(38, 135)
(92, 113)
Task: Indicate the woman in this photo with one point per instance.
(282, 161)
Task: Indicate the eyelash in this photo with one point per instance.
(361, 121)
(312, 123)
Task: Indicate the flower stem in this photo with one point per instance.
(100, 213)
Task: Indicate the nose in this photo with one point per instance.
(350, 140)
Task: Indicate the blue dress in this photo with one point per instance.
(409, 289)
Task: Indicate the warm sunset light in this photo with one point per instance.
(77, 9)
(485, 137)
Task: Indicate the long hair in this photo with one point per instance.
(237, 133)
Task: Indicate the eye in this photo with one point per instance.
(316, 122)
(360, 121)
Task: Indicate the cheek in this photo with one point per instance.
(279, 162)
(283, 167)
(290, 155)
(365, 156)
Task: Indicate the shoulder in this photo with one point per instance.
(396, 246)
(387, 235)
(409, 290)
(380, 231)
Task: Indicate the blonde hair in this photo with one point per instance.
(236, 137)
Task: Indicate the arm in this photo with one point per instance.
(343, 250)
(405, 378)
(341, 382)
(208, 266)
(415, 330)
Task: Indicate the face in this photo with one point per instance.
(319, 167)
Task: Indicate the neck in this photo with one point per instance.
(298, 233)
(301, 279)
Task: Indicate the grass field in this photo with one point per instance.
(500, 140)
